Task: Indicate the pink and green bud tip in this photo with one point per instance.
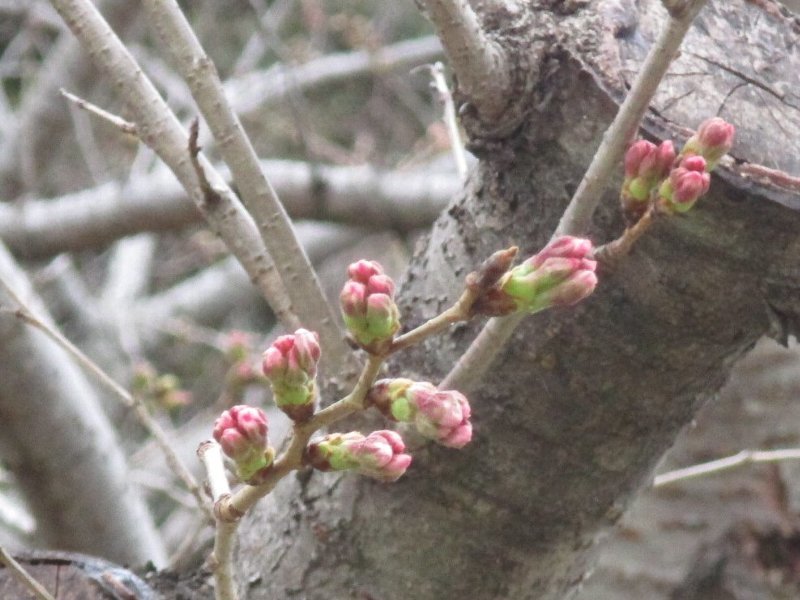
(645, 166)
(380, 455)
(242, 433)
(290, 365)
(440, 415)
(714, 138)
(561, 274)
(686, 184)
(368, 306)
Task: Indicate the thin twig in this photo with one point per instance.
(151, 425)
(458, 312)
(115, 120)
(613, 251)
(210, 453)
(745, 457)
(25, 578)
(450, 118)
(471, 366)
(298, 276)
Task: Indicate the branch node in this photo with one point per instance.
(210, 196)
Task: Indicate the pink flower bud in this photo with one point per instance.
(382, 456)
(242, 433)
(379, 455)
(639, 151)
(565, 246)
(686, 184)
(290, 364)
(573, 289)
(537, 283)
(439, 415)
(368, 306)
(363, 270)
(645, 166)
(694, 163)
(714, 138)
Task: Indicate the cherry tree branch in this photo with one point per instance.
(299, 278)
(360, 195)
(480, 64)
(493, 337)
(210, 454)
(745, 457)
(129, 400)
(60, 428)
(158, 127)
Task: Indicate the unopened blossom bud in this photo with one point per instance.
(561, 274)
(242, 433)
(686, 183)
(380, 455)
(368, 306)
(290, 365)
(646, 165)
(439, 415)
(714, 138)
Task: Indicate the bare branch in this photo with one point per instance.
(210, 454)
(299, 278)
(162, 439)
(159, 129)
(745, 457)
(480, 64)
(364, 196)
(60, 428)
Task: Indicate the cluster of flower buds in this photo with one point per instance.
(439, 415)
(646, 165)
(242, 433)
(561, 274)
(368, 306)
(290, 365)
(380, 455)
(654, 173)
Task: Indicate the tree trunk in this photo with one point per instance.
(582, 403)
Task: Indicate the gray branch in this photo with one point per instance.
(360, 195)
(60, 445)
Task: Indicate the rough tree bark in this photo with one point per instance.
(573, 416)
